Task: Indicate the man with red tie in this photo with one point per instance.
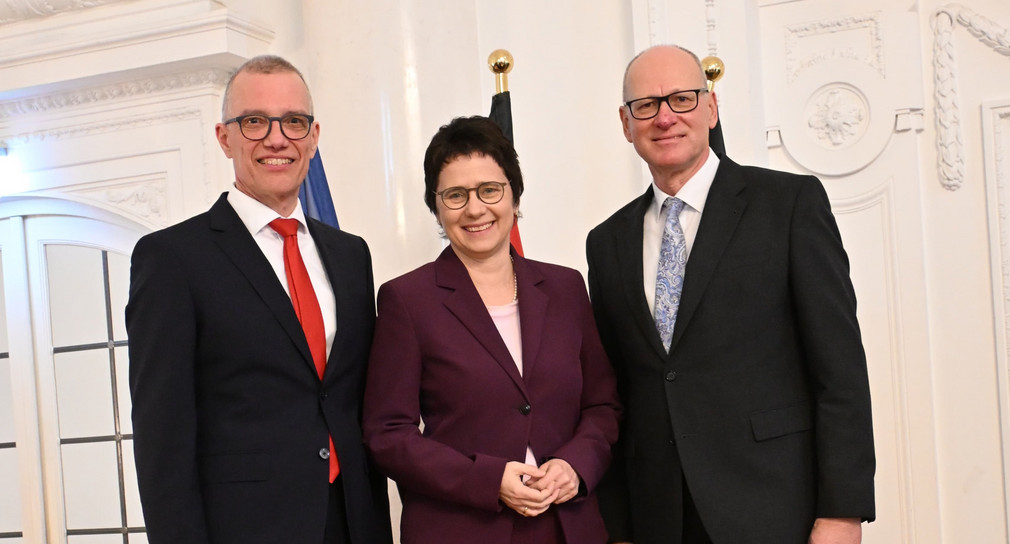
(250, 327)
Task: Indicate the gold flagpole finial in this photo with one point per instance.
(714, 70)
(500, 62)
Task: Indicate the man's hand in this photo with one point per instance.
(836, 531)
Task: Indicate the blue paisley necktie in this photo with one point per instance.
(670, 275)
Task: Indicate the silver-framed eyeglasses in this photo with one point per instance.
(679, 102)
(489, 192)
(256, 127)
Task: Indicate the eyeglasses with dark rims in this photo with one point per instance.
(679, 102)
(489, 192)
(256, 127)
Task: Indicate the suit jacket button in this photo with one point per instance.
(525, 409)
(670, 376)
(322, 396)
(324, 453)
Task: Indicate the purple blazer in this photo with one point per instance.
(437, 356)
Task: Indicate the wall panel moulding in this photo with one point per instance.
(18, 10)
(90, 43)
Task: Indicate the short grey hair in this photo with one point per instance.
(262, 64)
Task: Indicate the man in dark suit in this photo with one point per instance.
(747, 407)
(246, 405)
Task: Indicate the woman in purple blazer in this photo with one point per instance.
(499, 357)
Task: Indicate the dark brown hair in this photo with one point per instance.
(465, 136)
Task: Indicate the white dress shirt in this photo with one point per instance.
(693, 193)
(257, 216)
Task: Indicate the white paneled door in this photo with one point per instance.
(66, 448)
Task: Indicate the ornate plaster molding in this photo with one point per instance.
(113, 92)
(996, 143)
(112, 125)
(839, 116)
(18, 10)
(795, 65)
(146, 199)
(996, 138)
(710, 28)
(657, 22)
(949, 143)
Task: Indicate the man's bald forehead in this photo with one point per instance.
(657, 49)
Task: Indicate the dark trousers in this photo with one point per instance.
(336, 516)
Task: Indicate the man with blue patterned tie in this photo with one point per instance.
(723, 299)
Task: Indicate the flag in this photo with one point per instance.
(715, 140)
(501, 114)
(714, 70)
(315, 194)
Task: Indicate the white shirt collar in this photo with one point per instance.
(694, 193)
(257, 215)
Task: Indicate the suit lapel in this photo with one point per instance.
(330, 255)
(466, 305)
(719, 221)
(629, 250)
(532, 312)
(232, 236)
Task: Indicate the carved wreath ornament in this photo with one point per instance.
(950, 147)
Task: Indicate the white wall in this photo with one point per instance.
(971, 474)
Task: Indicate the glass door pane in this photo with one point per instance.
(10, 484)
(84, 269)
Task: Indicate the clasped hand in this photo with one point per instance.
(531, 490)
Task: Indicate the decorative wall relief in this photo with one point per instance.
(839, 116)
(857, 38)
(710, 28)
(950, 148)
(113, 92)
(111, 125)
(143, 199)
(17, 10)
(837, 109)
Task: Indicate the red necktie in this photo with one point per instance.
(303, 297)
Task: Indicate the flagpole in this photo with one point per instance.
(714, 70)
(500, 62)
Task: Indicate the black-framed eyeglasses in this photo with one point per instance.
(679, 102)
(256, 127)
(489, 192)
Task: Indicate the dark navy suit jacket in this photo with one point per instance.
(229, 414)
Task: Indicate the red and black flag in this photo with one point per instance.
(501, 113)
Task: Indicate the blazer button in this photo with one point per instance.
(670, 376)
(322, 396)
(324, 453)
(525, 409)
